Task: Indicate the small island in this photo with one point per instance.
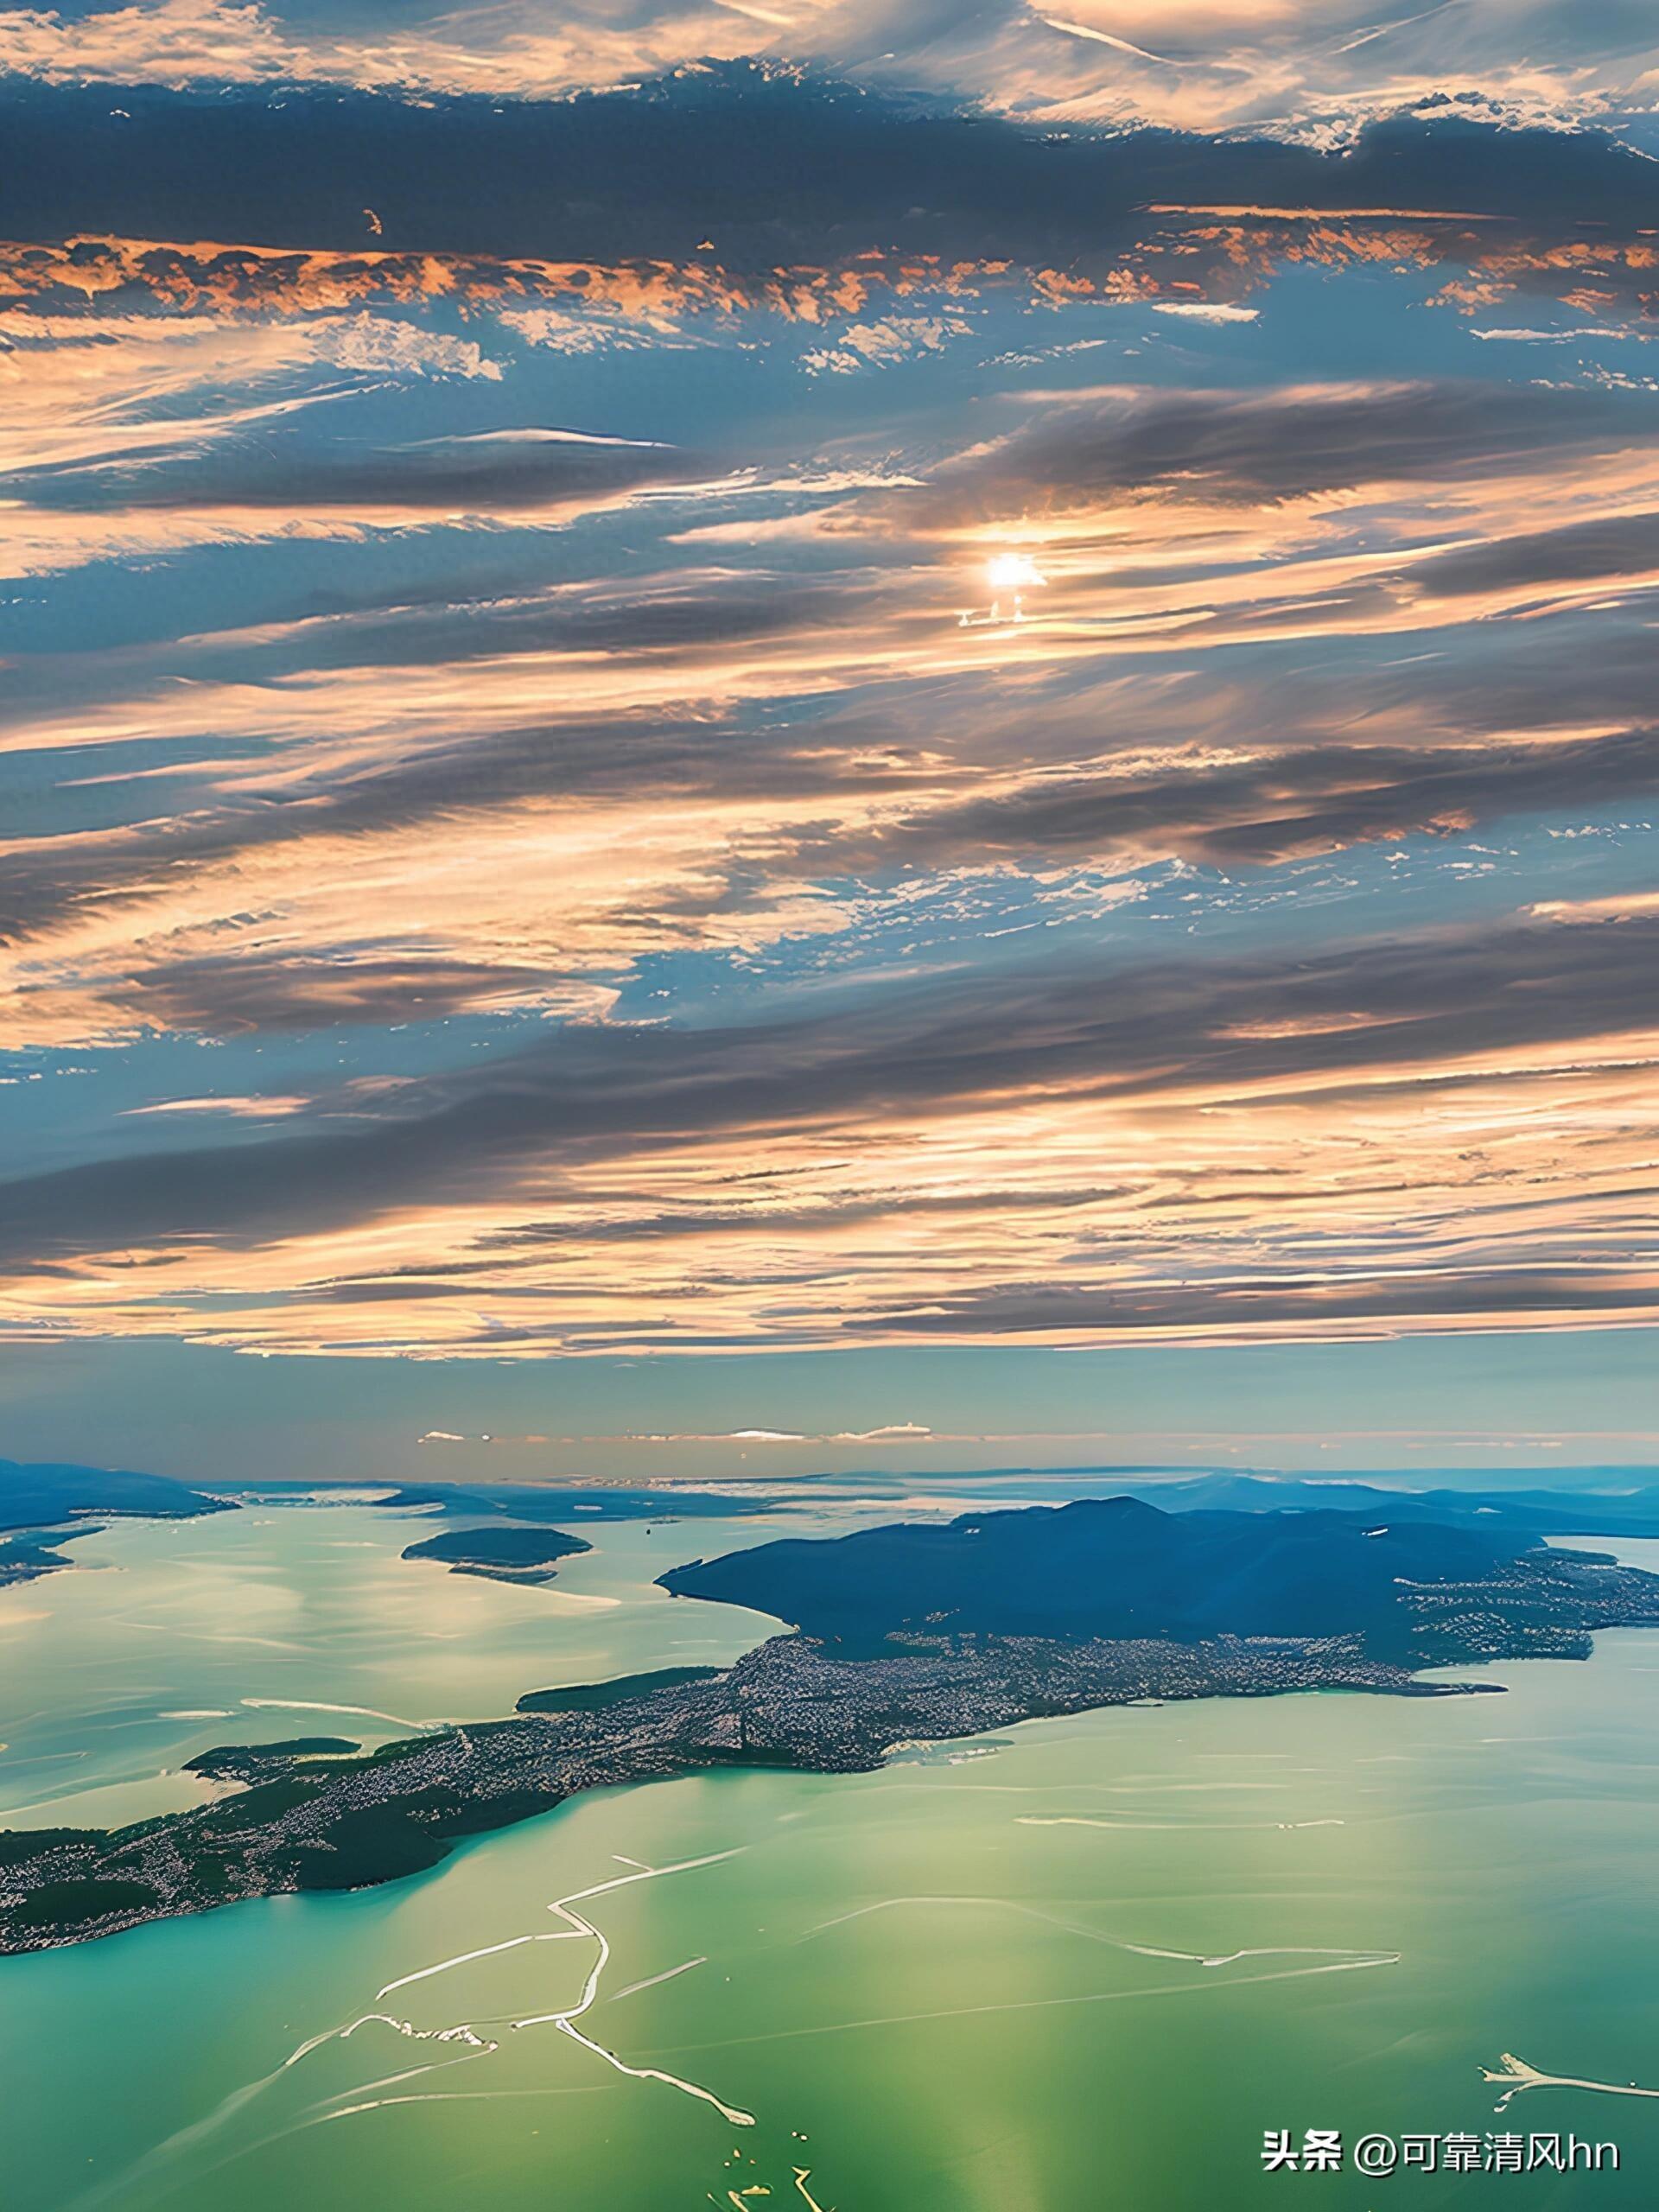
(504, 1552)
(905, 1633)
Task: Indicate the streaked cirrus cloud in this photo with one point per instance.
(1042, 740)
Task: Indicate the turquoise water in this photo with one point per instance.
(1086, 1962)
(305, 1620)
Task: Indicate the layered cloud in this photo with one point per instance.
(435, 806)
(945, 754)
(1314, 68)
(1454, 1130)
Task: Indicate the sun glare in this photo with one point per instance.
(1013, 572)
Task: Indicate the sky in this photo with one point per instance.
(737, 740)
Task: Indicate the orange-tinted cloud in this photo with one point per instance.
(1452, 1131)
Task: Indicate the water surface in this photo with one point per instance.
(1086, 1962)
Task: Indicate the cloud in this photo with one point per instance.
(1607, 546)
(497, 474)
(1442, 1129)
(267, 1107)
(417, 806)
(883, 344)
(788, 170)
(1256, 807)
(1319, 69)
(342, 985)
(1206, 310)
(1490, 1297)
(1287, 443)
(597, 329)
(902, 1431)
(879, 848)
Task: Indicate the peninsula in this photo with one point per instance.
(1416, 1593)
(907, 1632)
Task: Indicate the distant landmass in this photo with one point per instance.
(22, 1558)
(1411, 1590)
(562, 1500)
(1588, 1512)
(908, 1632)
(60, 1500)
(39, 1495)
(53, 1495)
(508, 1553)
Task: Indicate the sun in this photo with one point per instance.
(1013, 572)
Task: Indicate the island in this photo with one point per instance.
(503, 1551)
(905, 1633)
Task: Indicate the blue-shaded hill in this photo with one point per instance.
(1110, 1567)
(41, 1494)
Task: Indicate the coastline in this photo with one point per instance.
(330, 1823)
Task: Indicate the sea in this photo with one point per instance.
(1126, 1960)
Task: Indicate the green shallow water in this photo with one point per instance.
(1087, 1966)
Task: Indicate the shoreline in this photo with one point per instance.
(324, 1822)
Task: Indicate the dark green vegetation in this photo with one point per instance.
(509, 1553)
(73, 1903)
(1117, 1567)
(247, 1762)
(1001, 1617)
(593, 1697)
(19, 1844)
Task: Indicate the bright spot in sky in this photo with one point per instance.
(1013, 572)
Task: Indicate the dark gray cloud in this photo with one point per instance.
(591, 1092)
(832, 1214)
(654, 760)
(283, 470)
(255, 992)
(1610, 545)
(710, 611)
(1279, 1299)
(772, 167)
(1257, 448)
(1277, 805)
